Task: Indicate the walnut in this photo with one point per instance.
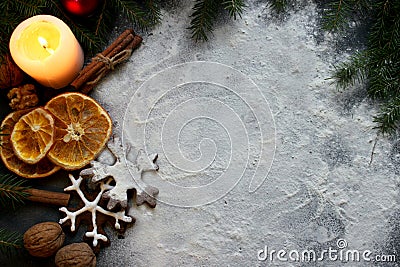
(77, 255)
(44, 239)
(23, 97)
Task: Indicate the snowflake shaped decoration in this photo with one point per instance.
(126, 175)
(93, 207)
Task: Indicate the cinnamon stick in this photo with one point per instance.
(89, 72)
(128, 45)
(48, 197)
(110, 48)
(117, 41)
(91, 69)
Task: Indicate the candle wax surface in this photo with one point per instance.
(39, 40)
(45, 48)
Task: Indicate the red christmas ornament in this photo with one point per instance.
(81, 7)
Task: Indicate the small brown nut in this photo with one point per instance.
(10, 74)
(76, 255)
(44, 239)
(23, 97)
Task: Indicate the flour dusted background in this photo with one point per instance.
(330, 179)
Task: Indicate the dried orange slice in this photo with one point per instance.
(32, 136)
(41, 169)
(81, 130)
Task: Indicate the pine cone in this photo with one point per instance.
(10, 74)
(23, 97)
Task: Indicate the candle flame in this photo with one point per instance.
(43, 42)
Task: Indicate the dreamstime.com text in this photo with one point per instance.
(339, 253)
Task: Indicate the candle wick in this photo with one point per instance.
(45, 44)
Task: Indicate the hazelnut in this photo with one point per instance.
(44, 239)
(76, 255)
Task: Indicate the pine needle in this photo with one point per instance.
(101, 24)
(154, 12)
(10, 242)
(204, 14)
(278, 6)
(353, 71)
(24, 8)
(134, 12)
(389, 116)
(12, 191)
(378, 66)
(337, 15)
(234, 7)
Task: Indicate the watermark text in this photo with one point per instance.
(340, 252)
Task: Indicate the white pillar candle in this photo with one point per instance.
(45, 48)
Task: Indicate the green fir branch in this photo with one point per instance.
(353, 71)
(134, 12)
(100, 24)
(278, 6)
(364, 8)
(389, 116)
(154, 11)
(204, 14)
(23, 8)
(378, 66)
(385, 31)
(8, 22)
(10, 242)
(337, 15)
(12, 191)
(234, 7)
(384, 80)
